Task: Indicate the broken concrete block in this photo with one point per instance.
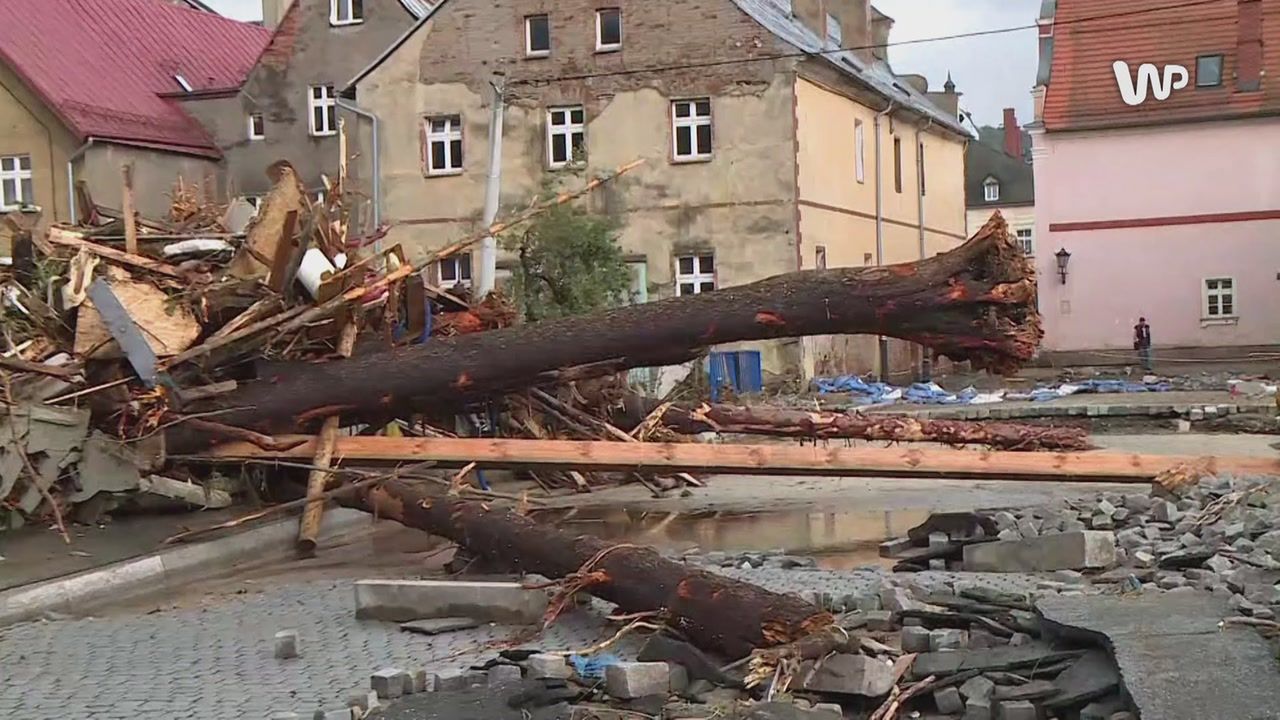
(892, 548)
(389, 682)
(438, 626)
(1061, 551)
(544, 665)
(938, 540)
(406, 600)
(500, 675)
(1182, 426)
(948, 701)
(631, 680)
(287, 644)
(915, 639)
(947, 639)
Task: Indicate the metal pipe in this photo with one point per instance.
(71, 177)
(926, 362)
(486, 277)
(376, 165)
(881, 341)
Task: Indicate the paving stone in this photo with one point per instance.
(977, 708)
(1028, 527)
(915, 639)
(880, 620)
(437, 626)
(421, 681)
(389, 682)
(334, 714)
(503, 675)
(542, 666)
(631, 680)
(977, 686)
(948, 701)
(847, 674)
(286, 644)
(1164, 511)
(407, 600)
(947, 639)
(1062, 551)
(1017, 710)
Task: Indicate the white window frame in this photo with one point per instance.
(350, 7)
(859, 151)
(11, 171)
(1218, 293)
(528, 36)
(601, 46)
(699, 275)
(328, 103)
(455, 262)
(693, 121)
(1027, 243)
(452, 131)
(991, 190)
(254, 132)
(568, 128)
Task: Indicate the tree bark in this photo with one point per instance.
(785, 422)
(974, 303)
(715, 612)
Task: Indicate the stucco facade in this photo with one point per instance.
(305, 51)
(1148, 215)
(1018, 217)
(746, 204)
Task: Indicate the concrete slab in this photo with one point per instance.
(1174, 660)
(405, 600)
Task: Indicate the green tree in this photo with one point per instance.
(569, 264)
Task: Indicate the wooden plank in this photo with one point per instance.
(762, 459)
(168, 327)
(284, 253)
(65, 238)
(126, 209)
(318, 480)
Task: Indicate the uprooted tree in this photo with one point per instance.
(974, 303)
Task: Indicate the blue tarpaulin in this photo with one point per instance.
(868, 392)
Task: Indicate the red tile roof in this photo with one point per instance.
(1083, 92)
(102, 65)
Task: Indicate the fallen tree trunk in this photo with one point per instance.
(777, 459)
(715, 612)
(974, 303)
(785, 422)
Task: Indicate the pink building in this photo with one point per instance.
(1168, 206)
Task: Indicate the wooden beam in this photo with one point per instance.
(126, 209)
(318, 480)
(760, 459)
(58, 236)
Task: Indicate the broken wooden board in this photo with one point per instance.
(168, 326)
(286, 196)
(756, 459)
(67, 238)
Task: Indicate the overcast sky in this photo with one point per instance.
(993, 71)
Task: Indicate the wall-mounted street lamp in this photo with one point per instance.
(1063, 258)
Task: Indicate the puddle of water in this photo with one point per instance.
(837, 540)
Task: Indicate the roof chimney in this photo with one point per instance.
(1012, 134)
(273, 12)
(1249, 45)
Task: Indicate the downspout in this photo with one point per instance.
(377, 165)
(926, 362)
(71, 177)
(882, 342)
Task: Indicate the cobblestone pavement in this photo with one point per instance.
(217, 661)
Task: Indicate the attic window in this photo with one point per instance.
(991, 189)
(346, 12)
(182, 82)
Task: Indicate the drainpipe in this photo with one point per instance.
(486, 276)
(71, 177)
(377, 165)
(926, 362)
(881, 341)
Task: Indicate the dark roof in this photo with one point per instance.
(102, 67)
(986, 158)
(1082, 89)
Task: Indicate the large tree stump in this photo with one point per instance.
(715, 612)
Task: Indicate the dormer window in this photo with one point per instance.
(346, 12)
(991, 189)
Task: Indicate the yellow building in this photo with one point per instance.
(759, 134)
